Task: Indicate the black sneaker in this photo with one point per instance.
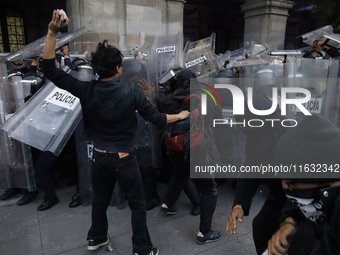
(168, 210)
(211, 236)
(95, 244)
(154, 251)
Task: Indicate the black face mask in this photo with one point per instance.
(304, 193)
(308, 201)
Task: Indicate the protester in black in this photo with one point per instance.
(108, 108)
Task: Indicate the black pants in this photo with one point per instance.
(107, 168)
(206, 187)
(43, 164)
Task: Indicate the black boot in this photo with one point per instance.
(48, 203)
(11, 192)
(75, 200)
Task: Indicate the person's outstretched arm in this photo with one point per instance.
(58, 76)
(57, 23)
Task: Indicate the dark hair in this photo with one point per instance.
(105, 59)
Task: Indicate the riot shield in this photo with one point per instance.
(250, 54)
(257, 61)
(202, 61)
(148, 136)
(130, 44)
(206, 42)
(47, 120)
(223, 142)
(310, 37)
(167, 52)
(14, 155)
(238, 54)
(35, 48)
(320, 78)
(262, 77)
(168, 75)
(85, 148)
(333, 40)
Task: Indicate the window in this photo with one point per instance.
(12, 31)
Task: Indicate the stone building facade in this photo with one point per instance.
(264, 20)
(108, 19)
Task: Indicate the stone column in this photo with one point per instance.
(265, 21)
(108, 19)
(103, 19)
(174, 16)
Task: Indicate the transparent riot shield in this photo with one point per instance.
(310, 37)
(223, 142)
(35, 48)
(148, 136)
(250, 54)
(167, 52)
(84, 146)
(262, 77)
(333, 40)
(130, 44)
(238, 54)
(202, 61)
(320, 78)
(47, 120)
(258, 49)
(14, 155)
(206, 42)
(257, 61)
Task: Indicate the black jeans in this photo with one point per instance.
(43, 163)
(206, 188)
(107, 168)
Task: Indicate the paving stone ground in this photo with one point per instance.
(62, 230)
